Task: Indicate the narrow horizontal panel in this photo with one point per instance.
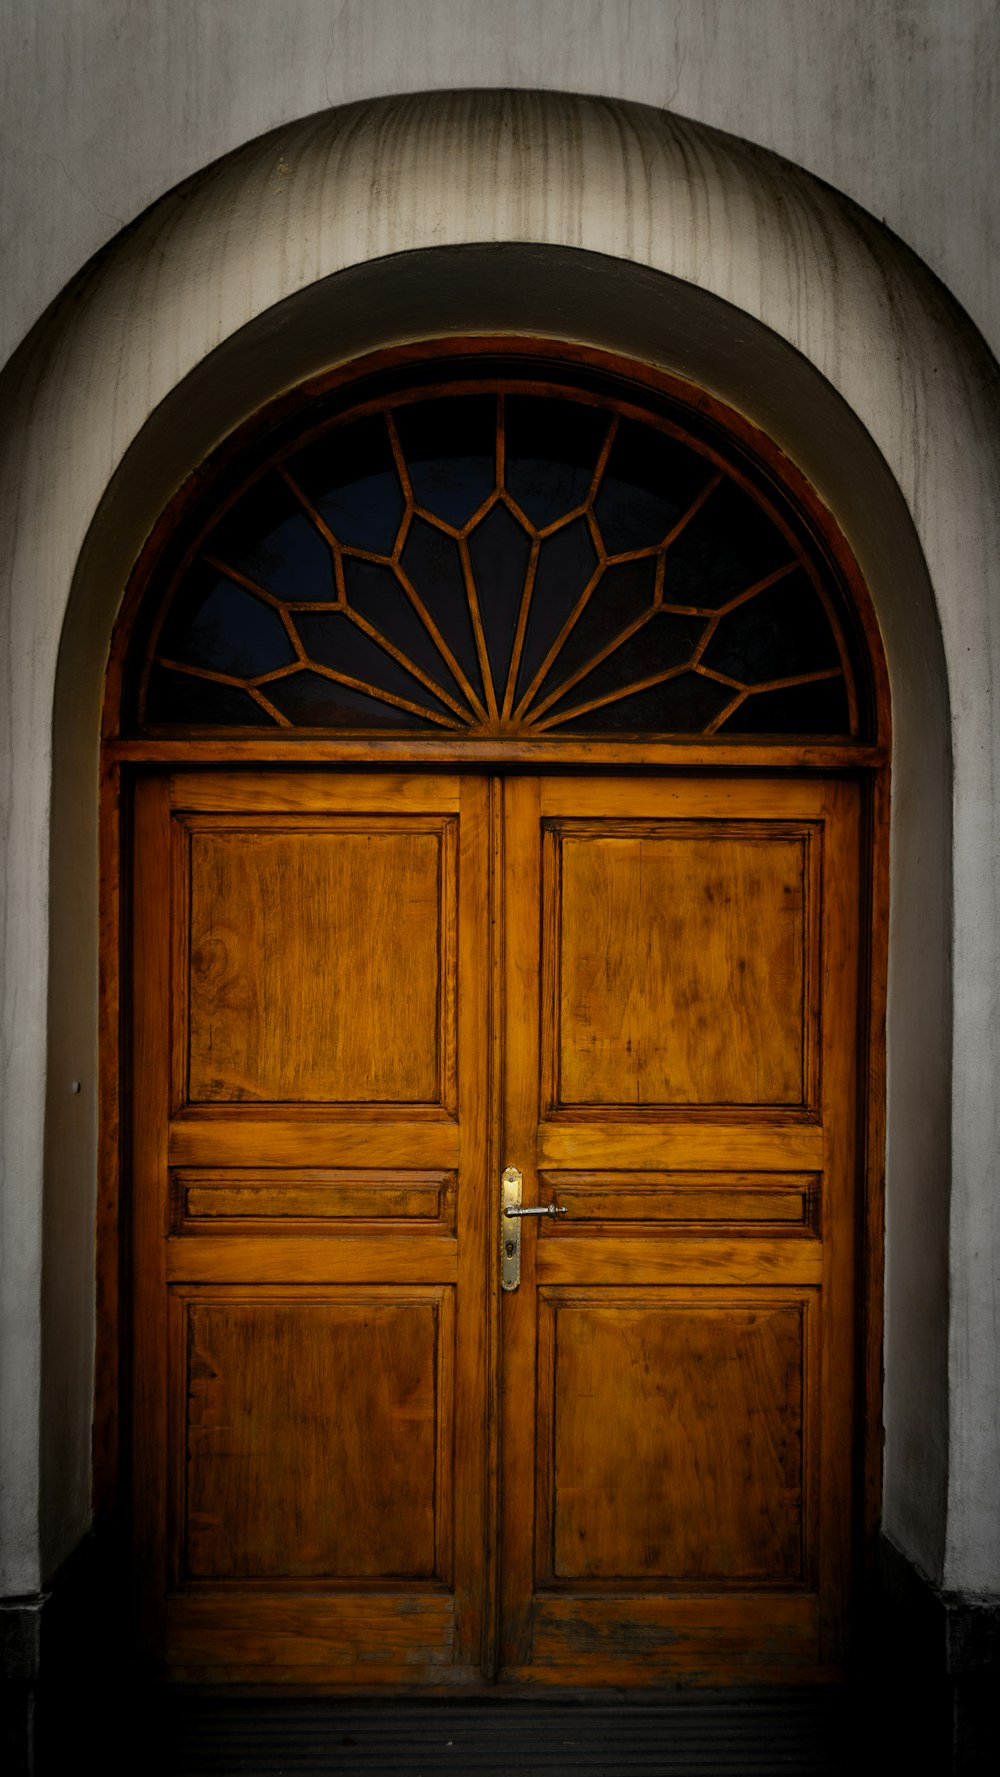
(684, 799)
(313, 792)
(634, 1200)
(292, 1258)
(579, 1634)
(239, 1140)
(605, 1142)
(630, 754)
(282, 1196)
(707, 1259)
(234, 1628)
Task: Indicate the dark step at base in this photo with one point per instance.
(800, 1733)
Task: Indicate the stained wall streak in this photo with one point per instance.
(107, 104)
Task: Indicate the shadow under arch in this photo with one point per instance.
(538, 291)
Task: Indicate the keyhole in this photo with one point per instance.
(509, 1249)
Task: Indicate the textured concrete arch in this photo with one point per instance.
(626, 228)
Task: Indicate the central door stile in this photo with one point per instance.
(493, 1140)
(473, 1424)
(521, 908)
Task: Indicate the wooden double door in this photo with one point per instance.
(356, 998)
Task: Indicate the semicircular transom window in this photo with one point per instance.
(502, 561)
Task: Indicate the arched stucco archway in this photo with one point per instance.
(628, 230)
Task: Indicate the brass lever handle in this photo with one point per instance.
(543, 1209)
(510, 1237)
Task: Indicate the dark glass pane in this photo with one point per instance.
(820, 708)
(551, 452)
(685, 705)
(217, 625)
(269, 538)
(350, 476)
(621, 595)
(729, 545)
(648, 483)
(376, 594)
(499, 550)
(331, 639)
(776, 634)
(173, 697)
(566, 562)
(665, 641)
(450, 451)
(431, 563)
(310, 701)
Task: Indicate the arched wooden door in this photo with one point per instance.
(383, 1431)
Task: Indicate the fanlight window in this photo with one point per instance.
(501, 562)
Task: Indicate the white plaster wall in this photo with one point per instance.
(878, 97)
(106, 104)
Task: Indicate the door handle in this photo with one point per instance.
(544, 1209)
(510, 1226)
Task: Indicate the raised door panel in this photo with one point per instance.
(308, 1156)
(706, 1394)
(321, 964)
(316, 1432)
(678, 968)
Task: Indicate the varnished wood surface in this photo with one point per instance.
(284, 1401)
(679, 965)
(740, 1200)
(353, 1006)
(690, 1389)
(263, 1197)
(310, 1364)
(675, 1381)
(312, 1395)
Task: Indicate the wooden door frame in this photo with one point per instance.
(869, 762)
(110, 1423)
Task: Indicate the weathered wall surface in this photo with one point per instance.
(108, 104)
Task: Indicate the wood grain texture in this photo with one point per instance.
(680, 1409)
(310, 1336)
(678, 973)
(322, 965)
(674, 1258)
(311, 792)
(256, 1199)
(674, 1422)
(643, 1199)
(706, 1398)
(311, 1258)
(592, 1138)
(364, 1636)
(235, 1136)
(692, 1639)
(315, 1433)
